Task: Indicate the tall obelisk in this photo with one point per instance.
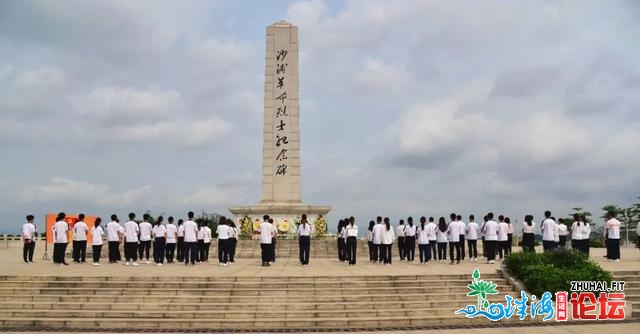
(281, 139)
(281, 150)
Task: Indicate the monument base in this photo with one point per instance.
(286, 217)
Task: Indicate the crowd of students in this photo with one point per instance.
(189, 242)
(433, 239)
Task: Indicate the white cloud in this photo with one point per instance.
(377, 76)
(82, 193)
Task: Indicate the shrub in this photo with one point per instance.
(553, 271)
(596, 243)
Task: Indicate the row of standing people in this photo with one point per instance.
(187, 241)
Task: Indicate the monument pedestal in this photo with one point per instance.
(286, 216)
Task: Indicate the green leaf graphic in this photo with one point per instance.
(476, 274)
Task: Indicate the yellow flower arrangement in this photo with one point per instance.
(256, 224)
(284, 226)
(246, 227)
(321, 226)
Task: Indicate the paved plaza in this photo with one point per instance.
(12, 264)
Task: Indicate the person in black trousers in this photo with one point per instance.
(180, 246)
(233, 241)
(351, 231)
(410, 240)
(274, 241)
(463, 228)
(304, 240)
(401, 239)
(28, 239)
(370, 241)
(60, 239)
(341, 241)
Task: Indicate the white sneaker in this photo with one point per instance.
(135, 264)
(616, 260)
(159, 264)
(96, 264)
(492, 262)
(147, 262)
(221, 264)
(127, 263)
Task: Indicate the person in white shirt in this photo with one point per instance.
(410, 240)
(304, 240)
(509, 235)
(370, 240)
(482, 235)
(159, 241)
(423, 241)
(224, 235)
(576, 233)
(60, 231)
(462, 228)
(585, 232)
(233, 240)
(400, 234)
(114, 238)
(548, 228)
(79, 250)
(342, 246)
(172, 238)
(377, 231)
(503, 238)
(431, 234)
(613, 233)
(387, 242)
(131, 230)
(180, 245)
(562, 233)
(145, 238)
(453, 232)
(351, 230)
(207, 242)
(190, 240)
(97, 236)
(490, 230)
(441, 238)
(528, 234)
(28, 236)
(267, 232)
(201, 250)
(471, 232)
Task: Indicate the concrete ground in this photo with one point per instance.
(12, 264)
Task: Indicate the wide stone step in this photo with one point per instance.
(225, 314)
(357, 297)
(238, 292)
(273, 322)
(241, 285)
(304, 305)
(178, 279)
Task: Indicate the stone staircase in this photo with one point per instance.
(232, 303)
(631, 290)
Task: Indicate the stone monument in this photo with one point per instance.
(281, 142)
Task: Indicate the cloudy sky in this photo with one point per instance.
(407, 107)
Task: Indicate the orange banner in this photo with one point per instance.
(71, 219)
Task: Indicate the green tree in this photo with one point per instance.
(581, 212)
(209, 219)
